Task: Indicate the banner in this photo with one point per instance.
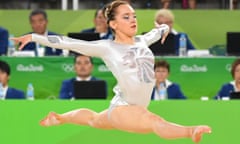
(196, 76)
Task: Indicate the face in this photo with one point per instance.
(161, 74)
(100, 20)
(38, 23)
(165, 20)
(125, 21)
(4, 78)
(83, 66)
(237, 74)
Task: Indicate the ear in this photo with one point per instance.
(113, 25)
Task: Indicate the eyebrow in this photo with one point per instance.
(128, 13)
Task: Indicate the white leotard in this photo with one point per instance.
(131, 65)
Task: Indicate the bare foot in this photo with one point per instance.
(51, 119)
(198, 131)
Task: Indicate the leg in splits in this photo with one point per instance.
(81, 117)
(128, 118)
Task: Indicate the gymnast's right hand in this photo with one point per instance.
(23, 40)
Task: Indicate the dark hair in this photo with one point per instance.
(162, 63)
(234, 66)
(4, 67)
(36, 12)
(78, 55)
(109, 9)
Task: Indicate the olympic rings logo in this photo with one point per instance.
(67, 67)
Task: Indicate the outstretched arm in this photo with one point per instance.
(93, 48)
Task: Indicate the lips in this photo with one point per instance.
(133, 26)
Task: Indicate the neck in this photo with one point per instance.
(83, 77)
(237, 85)
(124, 40)
(101, 29)
(158, 83)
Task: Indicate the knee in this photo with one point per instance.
(95, 121)
(156, 120)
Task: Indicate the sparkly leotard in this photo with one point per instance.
(131, 65)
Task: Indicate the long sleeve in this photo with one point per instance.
(155, 34)
(93, 48)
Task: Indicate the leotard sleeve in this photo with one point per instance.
(91, 48)
(155, 34)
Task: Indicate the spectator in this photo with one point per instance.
(165, 3)
(8, 92)
(192, 4)
(101, 26)
(235, 4)
(3, 41)
(38, 20)
(185, 4)
(165, 16)
(173, 91)
(232, 86)
(83, 66)
(189, 4)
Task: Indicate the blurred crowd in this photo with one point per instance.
(84, 4)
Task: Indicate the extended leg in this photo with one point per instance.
(80, 116)
(140, 120)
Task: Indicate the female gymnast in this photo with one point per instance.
(131, 62)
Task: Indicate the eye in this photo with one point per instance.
(126, 17)
(134, 16)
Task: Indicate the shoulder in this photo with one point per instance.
(52, 33)
(228, 85)
(3, 29)
(174, 86)
(68, 81)
(93, 78)
(3, 32)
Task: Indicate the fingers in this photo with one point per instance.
(164, 37)
(156, 24)
(21, 47)
(23, 40)
(17, 41)
(164, 29)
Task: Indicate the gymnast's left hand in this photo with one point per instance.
(23, 40)
(164, 28)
